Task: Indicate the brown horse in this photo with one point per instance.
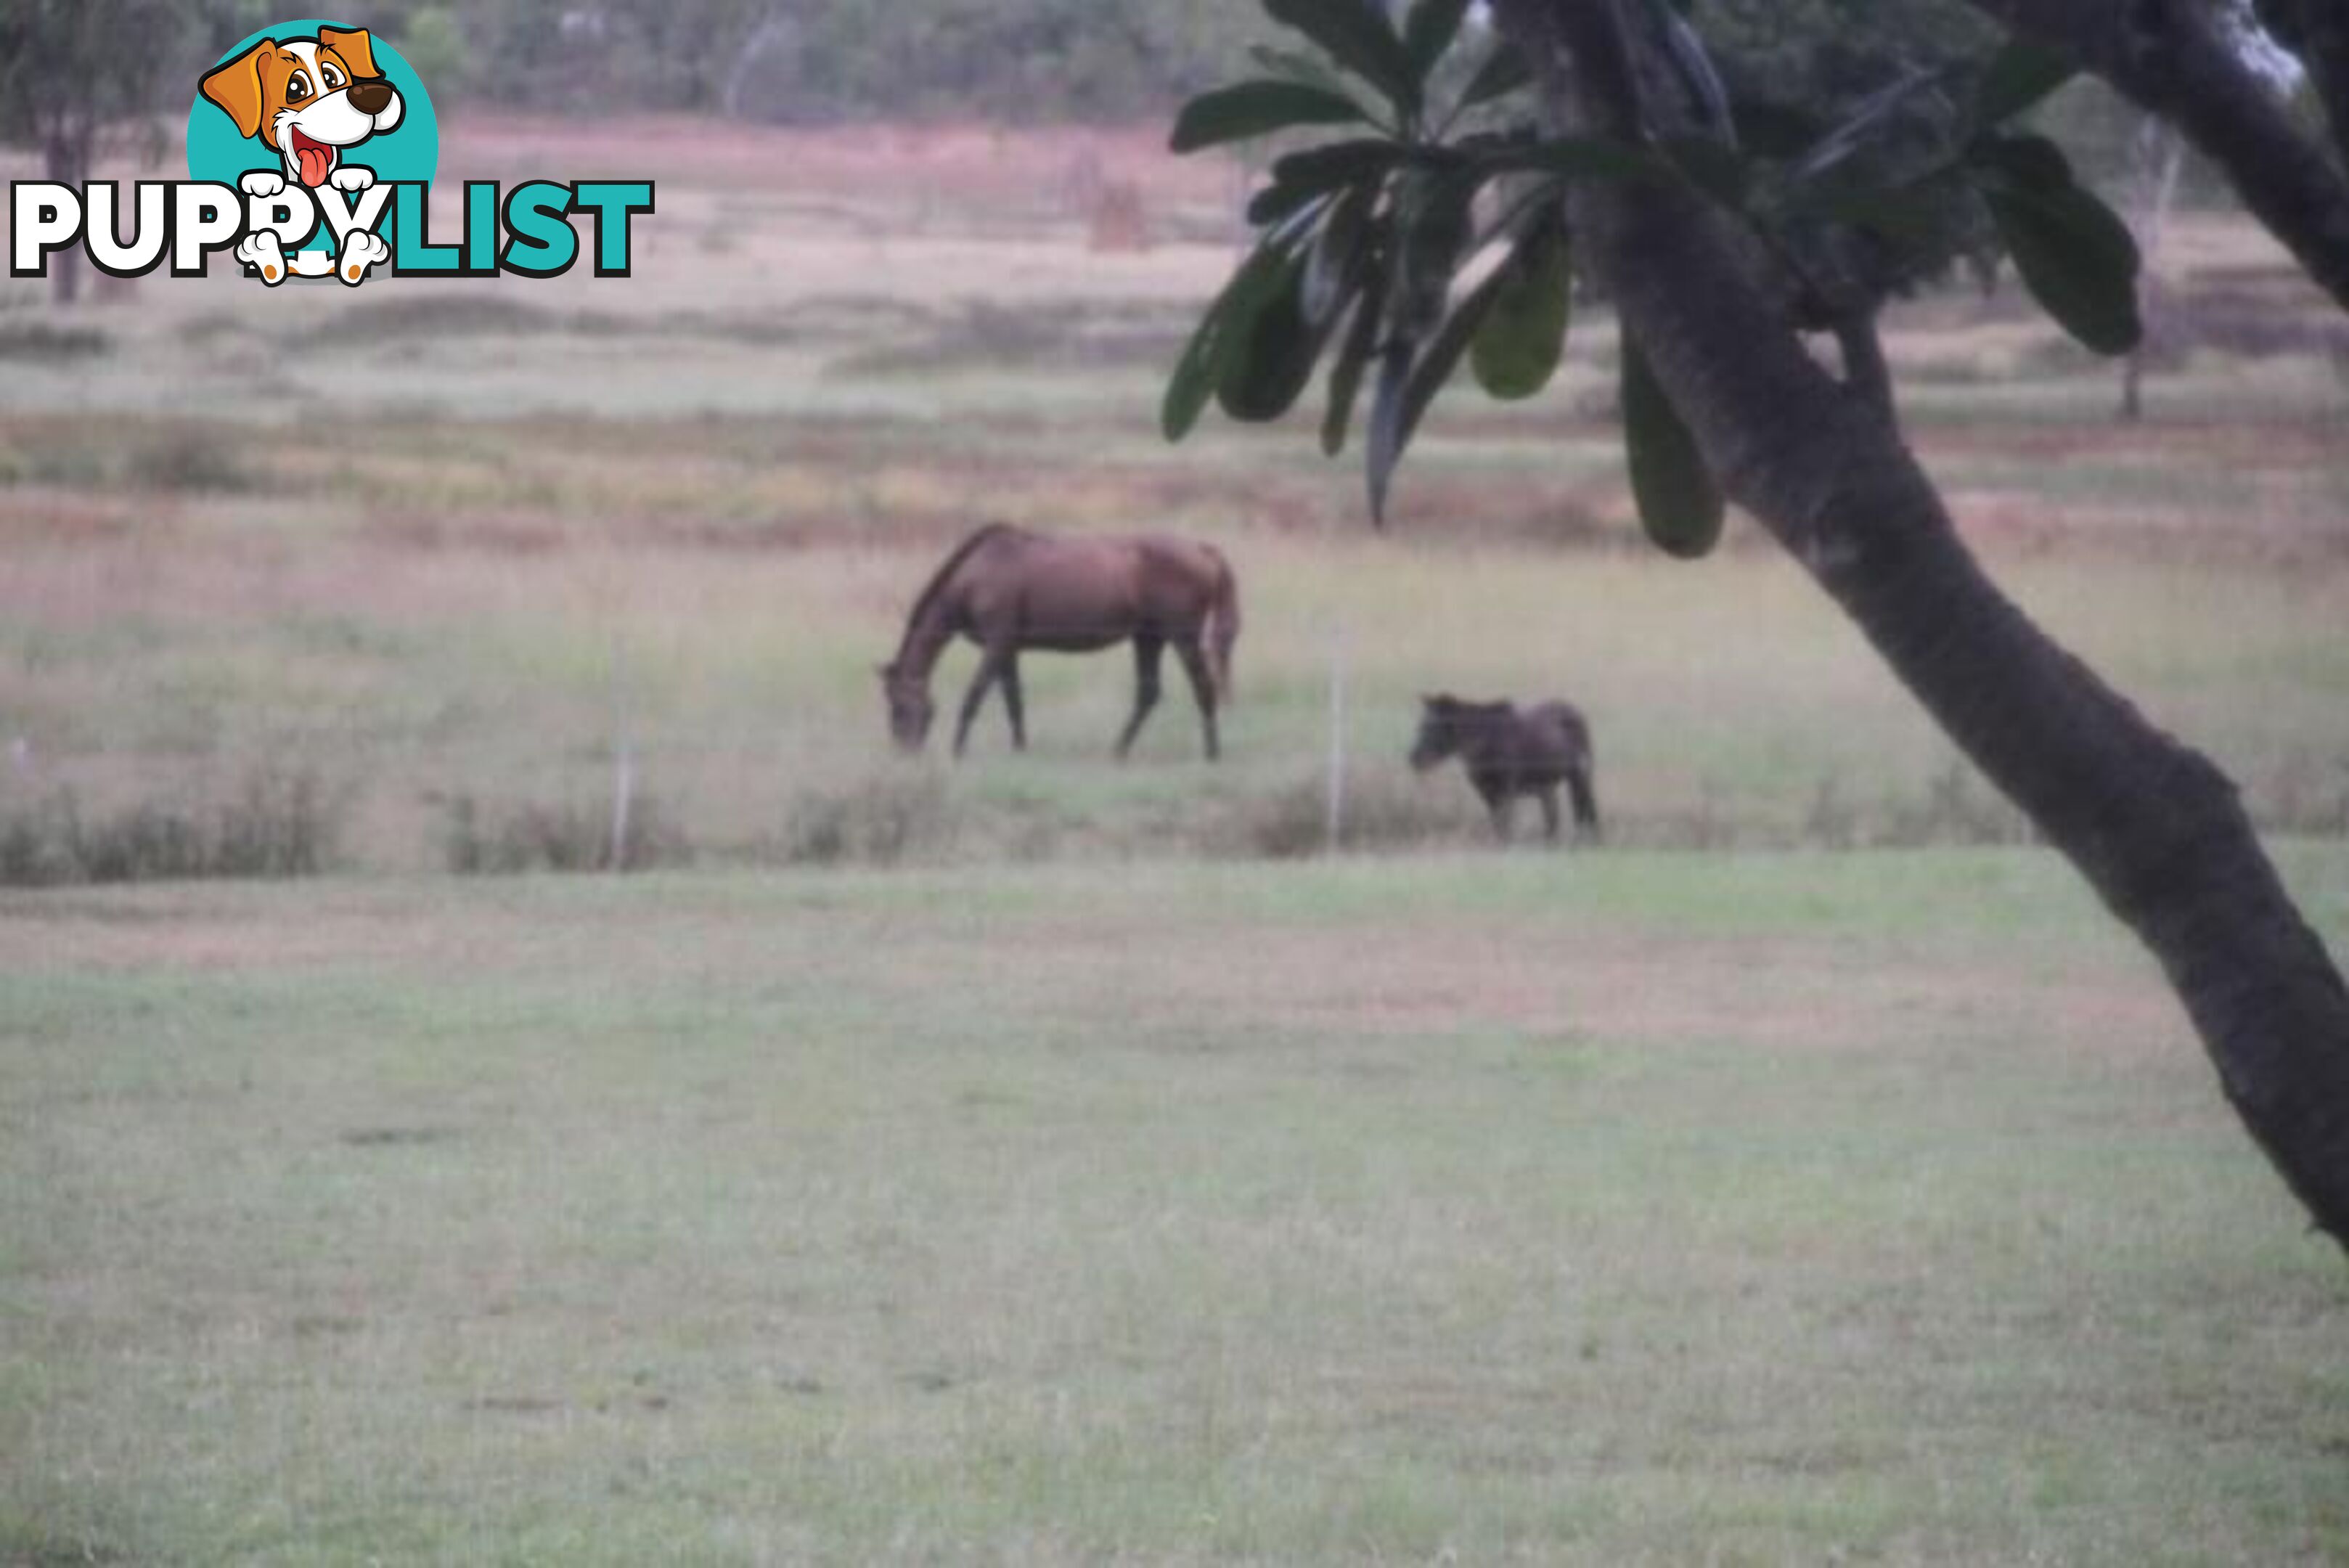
(1010, 590)
(1509, 752)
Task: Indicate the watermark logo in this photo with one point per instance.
(312, 149)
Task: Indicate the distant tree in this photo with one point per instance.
(69, 79)
(1727, 226)
(1018, 59)
(218, 24)
(433, 42)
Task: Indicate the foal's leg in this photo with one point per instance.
(1498, 805)
(1550, 812)
(1147, 647)
(990, 667)
(1586, 800)
(1014, 708)
(1202, 687)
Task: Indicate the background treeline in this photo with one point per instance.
(796, 61)
(829, 61)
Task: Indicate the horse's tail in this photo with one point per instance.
(1223, 624)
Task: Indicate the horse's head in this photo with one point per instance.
(1440, 730)
(910, 711)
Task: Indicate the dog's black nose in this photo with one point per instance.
(371, 95)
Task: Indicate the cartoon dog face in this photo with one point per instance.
(307, 99)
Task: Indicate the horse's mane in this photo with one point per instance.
(937, 582)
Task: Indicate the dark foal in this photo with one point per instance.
(1510, 751)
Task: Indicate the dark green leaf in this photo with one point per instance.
(1255, 108)
(1680, 505)
(1432, 229)
(1336, 163)
(1295, 65)
(2076, 256)
(1575, 158)
(2018, 77)
(2032, 169)
(1277, 201)
(1428, 31)
(1504, 72)
(1386, 434)
(1333, 264)
(2033, 162)
(1196, 373)
(1517, 348)
(1346, 370)
(1272, 352)
(1358, 36)
(1193, 381)
(1403, 398)
(1442, 355)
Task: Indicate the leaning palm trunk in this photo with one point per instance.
(2155, 827)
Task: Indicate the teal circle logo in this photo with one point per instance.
(289, 90)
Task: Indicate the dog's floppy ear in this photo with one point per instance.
(235, 86)
(356, 48)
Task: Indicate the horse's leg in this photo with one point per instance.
(1147, 647)
(1013, 706)
(1498, 805)
(1585, 802)
(990, 667)
(1550, 812)
(1203, 688)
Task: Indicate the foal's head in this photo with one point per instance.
(910, 711)
(1445, 723)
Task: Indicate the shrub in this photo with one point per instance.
(1954, 811)
(881, 822)
(1378, 813)
(44, 340)
(277, 826)
(509, 839)
(181, 459)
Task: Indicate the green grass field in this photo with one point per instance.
(484, 616)
(1041, 1160)
(1642, 1207)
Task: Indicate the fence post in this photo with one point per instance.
(624, 754)
(1334, 804)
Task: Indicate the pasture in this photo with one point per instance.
(681, 517)
(1645, 1208)
(1044, 1159)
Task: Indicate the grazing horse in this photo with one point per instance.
(1010, 590)
(1509, 752)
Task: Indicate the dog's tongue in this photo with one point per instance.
(318, 160)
